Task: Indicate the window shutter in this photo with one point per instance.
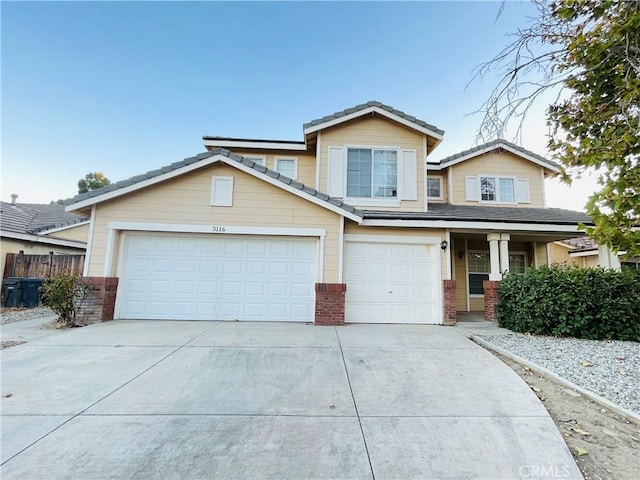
(336, 172)
(222, 191)
(522, 191)
(408, 174)
(471, 184)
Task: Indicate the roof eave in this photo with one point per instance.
(442, 165)
(437, 136)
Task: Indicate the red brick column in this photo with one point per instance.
(330, 303)
(449, 297)
(490, 299)
(101, 300)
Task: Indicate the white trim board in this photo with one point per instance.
(491, 148)
(298, 147)
(229, 229)
(203, 163)
(66, 227)
(379, 111)
(47, 240)
(453, 224)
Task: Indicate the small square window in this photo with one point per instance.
(434, 188)
(287, 167)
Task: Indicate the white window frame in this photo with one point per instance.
(469, 272)
(497, 179)
(441, 180)
(262, 159)
(277, 159)
(374, 201)
(526, 260)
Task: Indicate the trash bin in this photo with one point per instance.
(11, 292)
(31, 294)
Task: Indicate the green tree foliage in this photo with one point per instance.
(588, 52)
(92, 181)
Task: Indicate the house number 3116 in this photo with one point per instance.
(219, 229)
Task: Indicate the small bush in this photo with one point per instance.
(64, 295)
(563, 300)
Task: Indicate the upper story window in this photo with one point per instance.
(434, 188)
(372, 173)
(287, 166)
(497, 189)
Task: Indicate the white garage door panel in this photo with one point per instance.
(391, 283)
(218, 278)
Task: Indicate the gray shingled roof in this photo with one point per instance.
(216, 151)
(581, 243)
(481, 213)
(496, 144)
(373, 103)
(31, 218)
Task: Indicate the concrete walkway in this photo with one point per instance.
(194, 400)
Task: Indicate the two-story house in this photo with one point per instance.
(357, 222)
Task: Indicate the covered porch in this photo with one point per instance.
(479, 261)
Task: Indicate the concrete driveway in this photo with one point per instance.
(204, 400)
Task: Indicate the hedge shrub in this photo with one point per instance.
(569, 301)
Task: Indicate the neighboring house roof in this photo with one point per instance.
(480, 213)
(207, 158)
(32, 218)
(373, 107)
(581, 243)
(31, 222)
(499, 144)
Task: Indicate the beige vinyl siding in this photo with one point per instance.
(541, 254)
(375, 131)
(10, 245)
(79, 233)
(494, 163)
(185, 200)
(306, 163)
(560, 254)
(352, 228)
(591, 261)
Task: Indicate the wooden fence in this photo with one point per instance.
(42, 266)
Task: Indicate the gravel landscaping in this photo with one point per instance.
(607, 368)
(13, 315)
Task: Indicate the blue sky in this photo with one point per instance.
(126, 87)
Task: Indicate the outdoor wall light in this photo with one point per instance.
(444, 244)
(461, 254)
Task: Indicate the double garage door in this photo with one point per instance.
(218, 277)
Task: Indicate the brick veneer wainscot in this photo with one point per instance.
(330, 303)
(490, 299)
(101, 301)
(449, 297)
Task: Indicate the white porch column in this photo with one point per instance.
(494, 256)
(504, 252)
(608, 259)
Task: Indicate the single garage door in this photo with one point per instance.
(218, 277)
(391, 283)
